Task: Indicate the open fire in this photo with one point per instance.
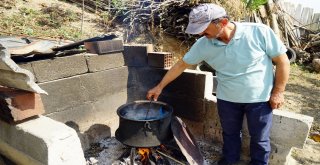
(109, 151)
(160, 155)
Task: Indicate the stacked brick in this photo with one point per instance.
(160, 59)
(18, 105)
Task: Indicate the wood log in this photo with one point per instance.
(273, 17)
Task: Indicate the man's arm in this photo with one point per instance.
(171, 75)
(281, 78)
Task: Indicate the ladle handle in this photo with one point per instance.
(149, 108)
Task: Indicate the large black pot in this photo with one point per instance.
(140, 128)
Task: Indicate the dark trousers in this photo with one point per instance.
(259, 119)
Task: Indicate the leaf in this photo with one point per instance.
(315, 137)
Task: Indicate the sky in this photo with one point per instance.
(315, 4)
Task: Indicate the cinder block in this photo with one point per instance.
(283, 122)
(160, 59)
(103, 62)
(189, 84)
(215, 84)
(192, 84)
(61, 67)
(103, 47)
(70, 92)
(189, 108)
(63, 94)
(77, 117)
(137, 55)
(17, 105)
(40, 141)
(99, 84)
(84, 115)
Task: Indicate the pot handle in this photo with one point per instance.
(147, 125)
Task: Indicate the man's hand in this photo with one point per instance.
(172, 74)
(276, 100)
(154, 93)
(281, 78)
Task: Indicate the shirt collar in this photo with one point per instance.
(239, 32)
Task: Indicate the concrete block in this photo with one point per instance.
(84, 115)
(279, 154)
(63, 94)
(41, 141)
(90, 117)
(11, 75)
(191, 84)
(160, 59)
(188, 108)
(143, 81)
(79, 117)
(103, 47)
(211, 122)
(137, 55)
(103, 62)
(61, 67)
(70, 92)
(17, 105)
(215, 84)
(100, 84)
(283, 124)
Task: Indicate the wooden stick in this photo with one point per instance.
(170, 157)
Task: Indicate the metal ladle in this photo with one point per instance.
(150, 102)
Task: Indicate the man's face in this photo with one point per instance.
(213, 31)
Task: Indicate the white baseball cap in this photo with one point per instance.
(201, 16)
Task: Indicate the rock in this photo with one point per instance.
(316, 65)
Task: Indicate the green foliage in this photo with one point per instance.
(49, 21)
(117, 3)
(254, 4)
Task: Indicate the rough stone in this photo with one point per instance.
(316, 64)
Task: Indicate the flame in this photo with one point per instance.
(144, 152)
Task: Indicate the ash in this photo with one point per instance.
(109, 150)
(106, 152)
(211, 152)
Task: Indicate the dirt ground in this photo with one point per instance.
(302, 92)
(302, 96)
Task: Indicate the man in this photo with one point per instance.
(243, 55)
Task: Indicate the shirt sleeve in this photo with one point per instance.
(274, 46)
(195, 54)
